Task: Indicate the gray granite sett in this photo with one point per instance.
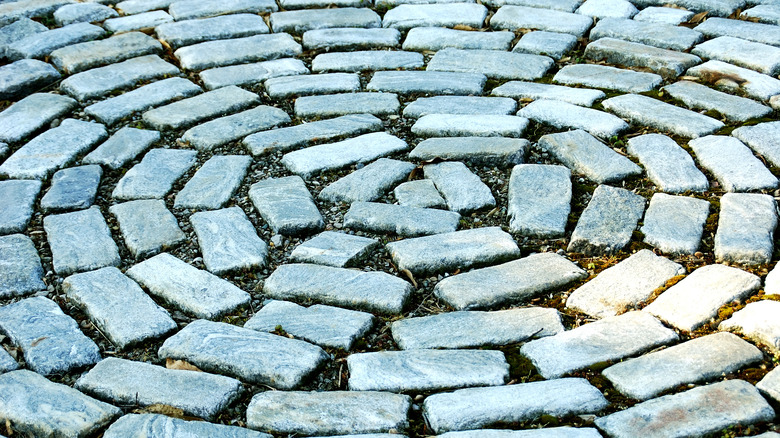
(746, 30)
(53, 149)
(610, 78)
(654, 113)
(657, 14)
(700, 359)
(482, 151)
(513, 281)
(12, 11)
(147, 226)
(427, 82)
(607, 9)
(539, 200)
(304, 85)
(152, 425)
(122, 147)
(540, 42)
(117, 306)
(367, 183)
(3, 150)
(772, 282)
(765, 12)
(185, 33)
(306, 4)
(83, 56)
(101, 81)
(566, 115)
(764, 138)
(286, 205)
(328, 412)
(335, 249)
(667, 63)
(426, 370)
(751, 83)
(189, 9)
(155, 175)
(511, 17)
(756, 56)
(71, 252)
(419, 193)
(476, 408)
(464, 105)
(334, 105)
(40, 407)
(547, 432)
(72, 188)
(327, 326)
(298, 22)
(757, 321)
(21, 272)
(695, 412)
(534, 91)
(734, 242)
(185, 287)
(228, 241)
(732, 163)
(585, 154)
(624, 286)
(734, 108)
(555, 5)
(668, 165)
(41, 44)
(713, 7)
(494, 64)
(421, 39)
(675, 224)
(127, 382)
(608, 339)
(17, 207)
(400, 220)
(192, 110)
(608, 222)
(7, 363)
(220, 53)
(223, 130)
(49, 339)
(283, 139)
(366, 60)
(214, 183)
(463, 190)
(770, 385)
(25, 76)
(143, 21)
(664, 36)
(250, 74)
(696, 299)
(351, 39)
(17, 30)
(132, 7)
(465, 125)
(407, 16)
(83, 12)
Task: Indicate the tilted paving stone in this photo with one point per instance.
(453, 251)
(114, 109)
(753, 84)
(426, 370)
(334, 105)
(646, 111)
(351, 39)
(49, 339)
(21, 272)
(757, 322)
(734, 108)
(327, 326)
(192, 110)
(228, 241)
(719, 8)
(512, 17)
(653, 34)
(746, 30)
(335, 249)
(556, 5)
(249, 74)
(755, 56)
(464, 125)
(607, 9)
(469, 329)
(304, 85)
(495, 64)
(72, 188)
(39, 407)
(146, 425)
(53, 149)
(283, 139)
(186, 287)
(400, 220)
(328, 412)
(667, 164)
(80, 57)
(13, 11)
(147, 226)
(332, 156)
(539, 200)
(732, 163)
(366, 60)
(132, 7)
(547, 432)
(534, 91)
(223, 130)
(476, 408)
(286, 205)
(249, 355)
(154, 176)
(584, 154)
(24, 77)
(463, 190)
(117, 306)
(607, 223)
(219, 53)
(693, 301)
(298, 22)
(83, 12)
(667, 15)
(667, 63)
(17, 208)
(482, 151)
(369, 182)
(189, 9)
(144, 21)
(373, 291)
(185, 33)
(40, 45)
(427, 82)
(694, 412)
(700, 359)
(214, 183)
(17, 30)
(513, 281)
(610, 78)
(540, 42)
(127, 382)
(122, 147)
(565, 115)
(407, 16)
(608, 339)
(675, 224)
(469, 105)
(624, 286)
(421, 39)
(101, 81)
(70, 251)
(748, 245)
(764, 138)
(419, 193)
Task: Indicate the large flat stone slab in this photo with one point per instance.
(369, 182)
(330, 248)
(32, 113)
(463, 190)
(298, 22)
(610, 78)
(511, 17)
(70, 251)
(122, 147)
(407, 16)
(286, 205)
(154, 176)
(192, 110)
(40, 45)
(763, 138)
(753, 84)
(757, 322)
(464, 125)
(539, 200)
(17, 208)
(188, 32)
(72, 188)
(101, 81)
(664, 36)
(734, 242)
(333, 105)
(566, 115)
(668, 165)
(427, 82)
(84, 56)
(253, 73)
(675, 224)
(146, 425)
(24, 77)
(465, 105)
(481, 151)
(667, 63)
(21, 272)
(535, 91)
(647, 111)
(399, 219)
(147, 226)
(219, 53)
(228, 240)
(421, 39)
(223, 130)
(214, 183)
(732, 163)
(734, 108)
(495, 64)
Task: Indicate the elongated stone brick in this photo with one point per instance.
(101, 81)
(214, 183)
(675, 224)
(539, 199)
(466, 105)
(80, 57)
(286, 204)
(24, 77)
(189, 9)
(369, 182)
(70, 251)
(366, 60)
(298, 22)
(154, 176)
(464, 125)
(72, 188)
(667, 164)
(18, 200)
(330, 248)
(732, 163)
(218, 53)
(607, 223)
(147, 226)
(512, 17)
(122, 147)
(139, 425)
(604, 76)
(494, 64)
(667, 63)
(40, 45)
(757, 322)
(20, 266)
(534, 91)
(407, 16)
(463, 190)
(700, 96)
(427, 82)
(734, 242)
(187, 32)
(752, 83)
(223, 130)
(254, 73)
(192, 110)
(420, 39)
(334, 105)
(347, 38)
(647, 111)
(565, 115)
(483, 151)
(399, 219)
(762, 138)
(228, 241)
(664, 36)
(30, 114)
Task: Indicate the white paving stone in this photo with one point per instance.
(368, 60)
(399, 219)
(154, 176)
(511, 17)
(147, 226)
(764, 138)
(667, 63)
(463, 190)
(79, 57)
(407, 16)
(30, 114)
(608, 222)
(747, 30)
(675, 224)
(188, 32)
(101, 81)
(214, 183)
(437, 38)
(734, 242)
(664, 36)
(18, 201)
(756, 56)
(753, 84)
(607, 9)
(565, 115)
(667, 15)
(71, 252)
(144, 21)
(369, 182)
(122, 147)
(192, 110)
(298, 22)
(188, 9)
(494, 64)
(732, 163)
(145, 425)
(20, 267)
(228, 240)
(250, 74)
(535, 91)
(334, 105)
(668, 165)
(757, 322)
(220, 53)
(25, 76)
(539, 200)
(464, 105)
(40, 45)
(734, 108)
(604, 76)
(427, 82)
(73, 188)
(646, 111)
(480, 151)
(304, 85)
(540, 42)
(351, 39)
(465, 125)
(223, 130)
(84, 12)
(419, 193)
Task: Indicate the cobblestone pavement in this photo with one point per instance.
(499, 219)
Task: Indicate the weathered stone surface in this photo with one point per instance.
(304, 85)
(228, 241)
(187, 288)
(226, 129)
(693, 301)
(584, 154)
(732, 163)
(421, 39)
(17, 207)
(420, 193)
(753, 84)
(132, 7)
(9, 12)
(720, 8)
(328, 412)
(70, 251)
(667, 63)
(654, 113)
(306, 4)
(80, 57)
(149, 425)
(249, 74)
(607, 223)
(20, 267)
(540, 42)
(465, 105)
(192, 110)
(327, 326)
(366, 60)
(154, 176)
(31, 114)
(539, 200)
(83, 12)
(144, 21)
(351, 39)
(694, 412)
(734, 242)
(72, 188)
(39, 407)
(512, 17)
(407, 16)
(49, 339)
(367, 183)
(399, 219)
(547, 432)
(700, 97)
(40, 45)
(147, 226)
(757, 322)
(607, 9)
(668, 165)
(219, 53)
(760, 57)
(534, 91)
(675, 224)
(763, 138)
(214, 183)
(746, 30)
(103, 80)
(298, 22)
(764, 12)
(565, 115)
(286, 205)
(189, 9)
(664, 36)
(17, 30)
(495, 64)
(185, 33)
(772, 282)
(451, 251)
(463, 190)
(475, 408)
(427, 82)
(556, 5)
(122, 147)
(770, 385)
(610, 78)
(665, 15)
(333, 105)
(24, 77)
(375, 291)
(483, 151)
(465, 125)
(330, 248)
(7, 363)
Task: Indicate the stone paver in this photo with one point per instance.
(20, 266)
(253, 73)
(333, 105)
(511, 17)
(400, 219)
(154, 176)
(192, 110)
(607, 223)
(147, 226)
(122, 147)
(335, 249)
(756, 322)
(654, 113)
(40, 45)
(408, 16)
(667, 165)
(73, 188)
(585, 154)
(366, 60)
(494, 64)
(18, 201)
(228, 240)
(438, 38)
(101, 81)
(699, 96)
(427, 82)
(658, 14)
(70, 251)
(223, 130)
(369, 182)
(746, 30)
(534, 91)
(214, 183)
(80, 57)
(465, 125)
(463, 190)
(30, 114)
(24, 77)
(732, 163)
(753, 84)
(564, 115)
(144, 21)
(610, 78)
(747, 245)
(351, 39)
(286, 205)
(540, 42)
(220, 53)
(762, 139)
(539, 200)
(189, 9)
(141, 425)
(675, 224)
(667, 63)
(419, 193)
(482, 151)
(85, 12)
(755, 56)
(188, 32)
(466, 105)
(298, 22)
(664, 36)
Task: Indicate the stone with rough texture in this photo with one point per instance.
(132, 7)
(192, 110)
(756, 56)
(547, 432)
(757, 321)
(330, 248)
(734, 242)
(407, 16)
(664, 36)
(24, 77)
(746, 30)
(427, 82)
(463, 190)
(188, 32)
(763, 138)
(189, 9)
(494, 64)
(701, 97)
(610, 78)
(20, 267)
(421, 39)
(72, 188)
(101, 81)
(366, 60)
(667, 63)
(144, 21)
(654, 113)
(17, 207)
(122, 147)
(153, 425)
(83, 12)
(298, 22)
(304, 85)
(607, 223)
(607, 9)
(539, 200)
(83, 56)
(675, 224)
(286, 205)
(12, 11)
(367, 183)
(214, 183)
(481, 151)
(540, 42)
(223, 130)
(565, 115)
(464, 105)
(465, 125)
(32, 113)
(511, 17)
(419, 193)
(17, 30)
(732, 163)
(220, 53)
(70, 251)
(40, 45)
(334, 105)
(400, 220)
(668, 165)
(751, 83)
(657, 14)
(534, 91)
(351, 39)
(720, 8)
(770, 385)
(154, 176)
(7, 362)
(147, 226)
(228, 240)
(249, 74)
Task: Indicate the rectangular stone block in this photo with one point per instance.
(746, 30)
(139, 425)
(369, 60)
(763, 138)
(667, 63)
(304, 85)
(286, 205)
(73, 188)
(334, 105)
(735, 242)
(753, 84)
(79, 57)
(511, 17)
(463, 190)
(101, 81)
(192, 110)
(675, 224)
(30, 114)
(25, 76)
(701, 97)
(398, 219)
(253, 73)
(40, 45)
(479, 151)
(465, 105)
(147, 226)
(539, 200)
(427, 82)
(351, 39)
(464, 125)
(420, 39)
(189, 9)
(667, 164)
(228, 241)
(145, 22)
(541, 42)
(646, 111)
(732, 163)
(407, 16)
(219, 53)
(664, 36)
(188, 32)
(70, 251)
(565, 115)
(20, 266)
(494, 64)
(223, 130)
(535, 91)
(606, 77)
(756, 56)
(154, 176)
(608, 222)
(335, 249)
(369, 182)
(122, 147)
(298, 22)
(19, 197)
(214, 183)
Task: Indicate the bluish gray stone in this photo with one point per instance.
(143, 21)
(465, 105)
(732, 163)
(80, 57)
(420, 193)
(25, 76)
(192, 110)
(764, 12)
(334, 249)
(228, 241)
(675, 224)
(495, 64)
(535, 91)
(122, 147)
(701, 97)
(770, 385)
(607, 223)
(757, 322)
(132, 7)
(665, 15)
(154, 176)
(249, 74)
(668, 165)
(7, 363)
(306, 4)
(399, 219)
(511, 17)
(539, 200)
(298, 22)
(646, 111)
(664, 36)
(83, 12)
(565, 115)
(223, 130)
(763, 138)
(348, 38)
(405, 17)
(483, 151)
(607, 9)
(667, 63)
(304, 85)
(421, 39)
(611, 78)
(467, 125)
(286, 205)
(214, 183)
(41, 44)
(70, 251)
(72, 188)
(219, 53)
(555, 5)
(367, 183)
(756, 56)
(17, 208)
(751, 83)
(540, 42)
(150, 425)
(10, 12)
(463, 190)
(734, 242)
(147, 226)
(17, 30)
(427, 82)
(188, 32)
(32, 113)
(746, 30)
(366, 60)
(547, 432)
(20, 266)
(189, 9)
(334, 105)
